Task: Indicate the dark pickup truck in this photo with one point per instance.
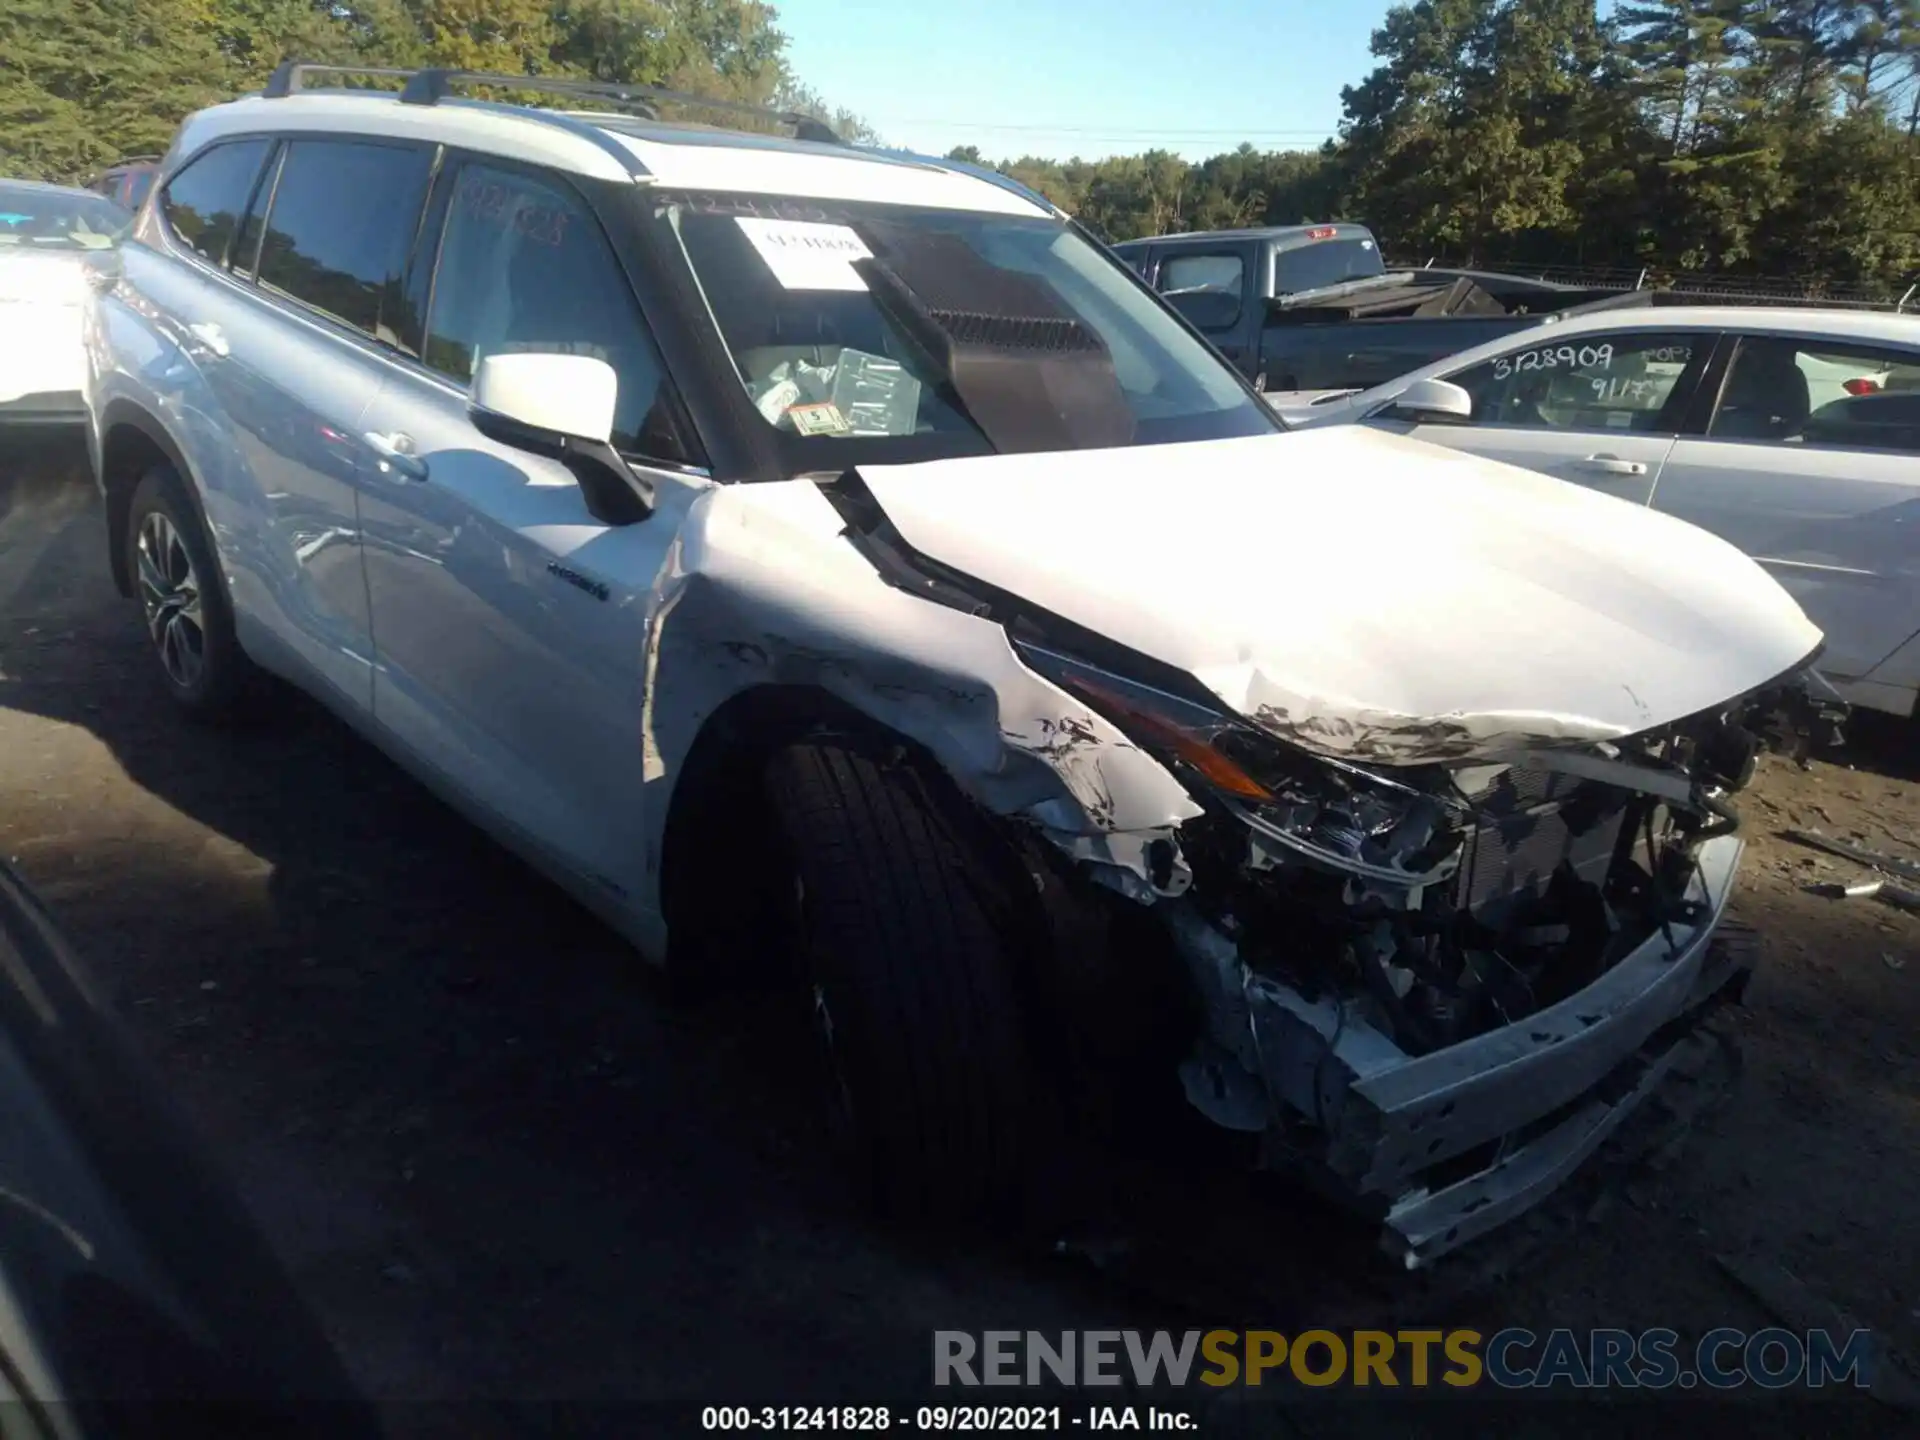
(1314, 307)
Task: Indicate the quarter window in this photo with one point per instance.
(341, 222)
(1808, 392)
(524, 268)
(203, 203)
(1588, 382)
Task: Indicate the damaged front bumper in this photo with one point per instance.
(1445, 1146)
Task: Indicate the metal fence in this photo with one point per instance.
(1809, 291)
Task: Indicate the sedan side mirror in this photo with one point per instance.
(1431, 402)
(562, 407)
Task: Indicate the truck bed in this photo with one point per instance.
(1355, 336)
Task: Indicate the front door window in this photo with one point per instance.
(1630, 382)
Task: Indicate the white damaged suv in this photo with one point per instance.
(805, 551)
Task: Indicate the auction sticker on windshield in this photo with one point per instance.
(807, 254)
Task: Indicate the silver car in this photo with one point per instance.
(47, 234)
(1794, 434)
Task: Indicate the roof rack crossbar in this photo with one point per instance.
(429, 87)
(290, 76)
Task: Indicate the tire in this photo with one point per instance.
(183, 600)
(912, 981)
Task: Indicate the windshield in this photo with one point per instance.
(58, 219)
(876, 333)
(1325, 262)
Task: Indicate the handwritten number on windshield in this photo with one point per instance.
(1552, 358)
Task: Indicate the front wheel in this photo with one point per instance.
(183, 600)
(912, 979)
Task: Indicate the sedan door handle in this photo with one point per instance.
(396, 455)
(1612, 465)
(213, 340)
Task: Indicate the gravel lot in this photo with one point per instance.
(510, 1171)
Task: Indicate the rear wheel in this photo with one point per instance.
(911, 977)
(183, 600)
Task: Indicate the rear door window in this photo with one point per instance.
(1205, 288)
(339, 229)
(1636, 382)
(1813, 392)
(204, 202)
(1202, 272)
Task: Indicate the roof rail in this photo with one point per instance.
(432, 85)
(987, 173)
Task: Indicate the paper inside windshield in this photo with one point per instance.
(875, 394)
(871, 394)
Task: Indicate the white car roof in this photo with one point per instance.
(1836, 324)
(616, 147)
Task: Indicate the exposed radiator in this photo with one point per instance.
(1537, 819)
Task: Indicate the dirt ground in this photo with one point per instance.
(528, 1193)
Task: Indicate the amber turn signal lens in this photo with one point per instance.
(1187, 744)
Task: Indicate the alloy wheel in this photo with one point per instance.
(170, 595)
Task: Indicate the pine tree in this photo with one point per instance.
(83, 82)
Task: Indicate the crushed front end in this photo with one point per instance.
(1435, 988)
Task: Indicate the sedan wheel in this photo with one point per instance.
(170, 595)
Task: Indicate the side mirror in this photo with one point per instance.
(1431, 402)
(561, 406)
(564, 396)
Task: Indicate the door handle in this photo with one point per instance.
(1612, 465)
(396, 455)
(212, 339)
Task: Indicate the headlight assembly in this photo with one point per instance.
(1307, 807)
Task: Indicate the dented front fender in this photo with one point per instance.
(762, 589)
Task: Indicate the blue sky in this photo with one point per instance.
(1086, 77)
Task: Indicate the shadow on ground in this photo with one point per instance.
(498, 1160)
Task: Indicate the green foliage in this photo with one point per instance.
(83, 82)
(1776, 136)
(1763, 135)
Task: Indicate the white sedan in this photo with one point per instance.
(47, 233)
(1794, 434)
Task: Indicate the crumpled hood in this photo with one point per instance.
(1366, 595)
